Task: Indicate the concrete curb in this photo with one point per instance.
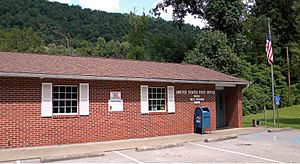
(278, 130)
(207, 140)
(69, 157)
(148, 148)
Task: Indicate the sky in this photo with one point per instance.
(125, 6)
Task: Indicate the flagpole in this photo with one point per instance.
(273, 102)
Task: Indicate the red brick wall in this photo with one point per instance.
(22, 125)
(233, 107)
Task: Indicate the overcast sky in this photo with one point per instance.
(125, 6)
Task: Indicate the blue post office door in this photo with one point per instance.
(220, 106)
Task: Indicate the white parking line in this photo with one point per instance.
(18, 162)
(126, 156)
(234, 152)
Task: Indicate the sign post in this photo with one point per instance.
(277, 102)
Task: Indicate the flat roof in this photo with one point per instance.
(93, 68)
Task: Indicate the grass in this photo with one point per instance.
(288, 117)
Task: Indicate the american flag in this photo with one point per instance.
(269, 50)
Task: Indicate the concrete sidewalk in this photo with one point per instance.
(94, 149)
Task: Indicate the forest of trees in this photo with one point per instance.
(55, 23)
(233, 41)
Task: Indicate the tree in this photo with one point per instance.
(259, 93)
(100, 49)
(295, 60)
(280, 14)
(56, 49)
(112, 49)
(225, 16)
(137, 30)
(255, 30)
(54, 22)
(212, 51)
(284, 16)
(296, 15)
(136, 53)
(295, 45)
(22, 40)
(222, 15)
(166, 48)
(85, 48)
(137, 36)
(182, 8)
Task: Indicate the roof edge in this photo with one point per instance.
(87, 77)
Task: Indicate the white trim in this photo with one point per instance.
(225, 85)
(84, 104)
(156, 87)
(65, 85)
(144, 100)
(46, 104)
(158, 111)
(219, 88)
(88, 77)
(66, 114)
(171, 101)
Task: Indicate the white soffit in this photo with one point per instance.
(87, 77)
(222, 85)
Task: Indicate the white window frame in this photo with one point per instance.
(165, 99)
(65, 114)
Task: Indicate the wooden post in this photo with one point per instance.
(289, 74)
(288, 65)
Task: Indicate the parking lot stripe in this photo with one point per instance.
(126, 156)
(18, 162)
(234, 152)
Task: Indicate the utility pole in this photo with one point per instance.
(288, 65)
(289, 74)
(274, 119)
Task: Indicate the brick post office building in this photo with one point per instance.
(50, 100)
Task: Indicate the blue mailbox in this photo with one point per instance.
(202, 118)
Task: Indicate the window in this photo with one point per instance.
(65, 99)
(157, 99)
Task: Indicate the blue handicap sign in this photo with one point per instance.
(277, 100)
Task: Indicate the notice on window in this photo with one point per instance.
(115, 103)
(115, 96)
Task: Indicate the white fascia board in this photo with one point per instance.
(87, 77)
(225, 85)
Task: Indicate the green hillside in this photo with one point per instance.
(83, 24)
(288, 117)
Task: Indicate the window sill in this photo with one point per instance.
(65, 116)
(158, 113)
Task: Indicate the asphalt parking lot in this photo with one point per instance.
(281, 147)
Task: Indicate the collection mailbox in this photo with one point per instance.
(202, 118)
